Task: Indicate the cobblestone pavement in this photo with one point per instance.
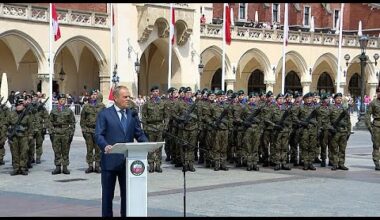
(233, 193)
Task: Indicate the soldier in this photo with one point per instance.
(4, 116)
(187, 117)
(198, 98)
(40, 124)
(32, 138)
(20, 122)
(374, 127)
(88, 116)
(340, 133)
(203, 104)
(266, 139)
(238, 130)
(308, 142)
(170, 143)
(61, 130)
(210, 132)
(294, 136)
(221, 115)
(282, 124)
(153, 115)
(252, 133)
(323, 117)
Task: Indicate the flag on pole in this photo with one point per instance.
(113, 17)
(286, 26)
(54, 16)
(110, 96)
(227, 23)
(172, 24)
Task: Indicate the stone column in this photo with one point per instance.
(372, 89)
(269, 86)
(305, 87)
(230, 84)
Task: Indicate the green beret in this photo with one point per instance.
(182, 89)
(187, 89)
(240, 92)
(324, 96)
(279, 96)
(307, 95)
(269, 94)
(252, 94)
(219, 92)
(153, 88)
(337, 95)
(230, 91)
(210, 92)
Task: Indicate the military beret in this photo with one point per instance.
(307, 95)
(171, 89)
(61, 96)
(252, 94)
(261, 93)
(219, 92)
(324, 96)
(279, 96)
(234, 95)
(205, 90)
(187, 89)
(210, 92)
(296, 95)
(240, 92)
(28, 97)
(182, 89)
(269, 94)
(153, 88)
(337, 95)
(93, 91)
(230, 91)
(198, 92)
(19, 101)
(288, 94)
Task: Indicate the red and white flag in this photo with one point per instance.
(227, 23)
(172, 24)
(113, 16)
(54, 17)
(110, 96)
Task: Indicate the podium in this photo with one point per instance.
(136, 174)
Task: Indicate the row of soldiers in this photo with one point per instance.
(25, 128)
(214, 128)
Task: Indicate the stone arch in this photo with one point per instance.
(212, 60)
(326, 63)
(163, 27)
(369, 69)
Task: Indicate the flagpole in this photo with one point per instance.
(171, 33)
(51, 61)
(339, 49)
(224, 46)
(284, 48)
(111, 50)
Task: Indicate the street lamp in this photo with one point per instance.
(115, 77)
(62, 73)
(360, 125)
(137, 65)
(200, 67)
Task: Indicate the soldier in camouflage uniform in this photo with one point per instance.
(221, 116)
(210, 131)
(188, 121)
(61, 130)
(252, 133)
(309, 130)
(170, 143)
(340, 133)
(294, 136)
(203, 103)
(20, 122)
(282, 124)
(374, 127)
(4, 116)
(31, 139)
(198, 97)
(323, 117)
(236, 149)
(266, 138)
(88, 117)
(153, 115)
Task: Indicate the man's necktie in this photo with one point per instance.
(123, 120)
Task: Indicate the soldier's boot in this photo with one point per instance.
(255, 167)
(223, 166)
(285, 167)
(1, 162)
(157, 168)
(32, 160)
(167, 158)
(317, 160)
(342, 167)
(38, 160)
(323, 163)
(90, 169)
(249, 167)
(217, 166)
(151, 167)
(377, 165)
(23, 172)
(334, 167)
(185, 167)
(191, 167)
(277, 167)
(57, 170)
(97, 168)
(14, 172)
(65, 170)
(330, 164)
(29, 164)
(201, 159)
(305, 166)
(311, 167)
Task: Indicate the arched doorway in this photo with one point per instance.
(256, 81)
(354, 85)
(216, 82)
(293, 82)
(325, 84)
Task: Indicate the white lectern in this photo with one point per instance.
(136, 174)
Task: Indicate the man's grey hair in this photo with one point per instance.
(116, 91)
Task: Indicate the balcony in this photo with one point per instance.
(37, 13)
(296, 37)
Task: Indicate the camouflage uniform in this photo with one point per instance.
(61, 130)
(202, 104)
(266, 138)
(19, 142)
(323, 117)
(88, 117)
(294, 136)
(339, 137)
(4, 116)
(153, 114)
(374, 128)
(209, 132)
(236, 149)
(170, 143)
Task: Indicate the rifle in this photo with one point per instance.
(280, 125)
(185, 117)
(42, 104)
(252, 117)
(16, 126)
(306, 122)
(222, 115)
(335, 124)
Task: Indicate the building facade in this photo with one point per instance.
(83, 60)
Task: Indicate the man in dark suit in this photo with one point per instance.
(116, 124)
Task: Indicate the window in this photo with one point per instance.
(306, 16)
(275, 12)
(336, 17)
(243, 11)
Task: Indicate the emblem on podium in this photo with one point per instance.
(137, 167)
